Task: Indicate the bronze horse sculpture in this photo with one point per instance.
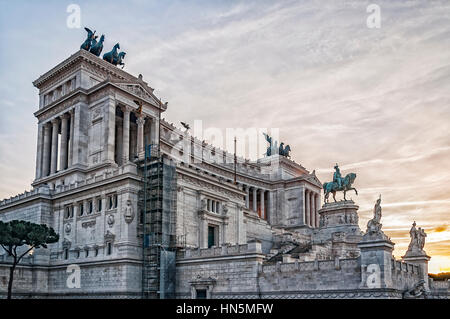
(97, 47)
(284, 150)
(333, 187)
(87, 44)
(114, 57)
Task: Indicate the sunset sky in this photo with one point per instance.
(374, 100)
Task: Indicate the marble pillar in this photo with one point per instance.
(247, 197)
(263, 212)
(154, 131)
(54, 155)
(255, 207)
(39, 151)
(110, 130)
(313, 210)
(317, 201)
(126, 136)
(140, 136)
(64, 138)
(47, 150)
(69, 160)
(307, 215)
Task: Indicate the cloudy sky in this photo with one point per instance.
(374, 100)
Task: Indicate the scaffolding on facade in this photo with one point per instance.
(157, 203)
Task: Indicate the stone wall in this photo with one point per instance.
(309, 277)
(233, 269)
(404, 275)
(28, 281)
(440, 289)
(37, 210)
(259, 229)
(111, 279)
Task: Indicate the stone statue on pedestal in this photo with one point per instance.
(417, 238)
(374, 225)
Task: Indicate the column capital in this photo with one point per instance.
(65, 116)
(55, 121)
(126, 108)
(141, 119)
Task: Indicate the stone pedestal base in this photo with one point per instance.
(338, 213)
(339, 224)
(339, 217)
(420, 258)
(376, 259)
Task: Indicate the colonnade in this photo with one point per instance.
(312, 206)
(258, 206)
(56, 140)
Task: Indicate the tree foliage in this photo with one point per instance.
(17, 233)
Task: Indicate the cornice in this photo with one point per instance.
(79, 56)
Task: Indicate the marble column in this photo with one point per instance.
(313, 210)
(54, 162)
(64, 137)
(154, 131)
(255, 207)
(140, 136)
(317, 198)
(307, 214)
(110, 130)
(269, 207)
(76, 211)
(224, 233)
(247, 197)
(46, 151)
(126, 135)
(39, 151)
(69, 160)
(263, 212)
(203, 232)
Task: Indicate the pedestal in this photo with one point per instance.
(420, 258)
(339, 223)
(376, 261)
(339, 217)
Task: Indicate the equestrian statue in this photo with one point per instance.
(339, 184)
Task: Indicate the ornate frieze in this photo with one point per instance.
(210, 187)
(60, 107)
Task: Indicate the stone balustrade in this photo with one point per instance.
(62, 187)
(307, 266)
(226, 250)
(24, 195)
(25, 261)
(400, 266)
(243, 165)
(439, 284)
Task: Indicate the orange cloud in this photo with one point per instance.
(440, 229)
